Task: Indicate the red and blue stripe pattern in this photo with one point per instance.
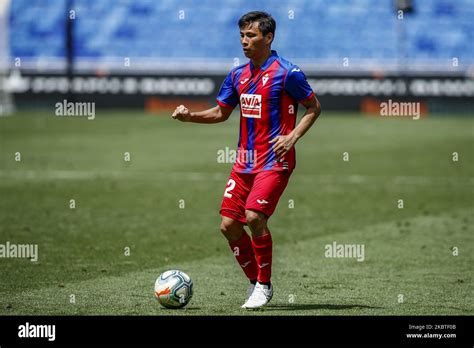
(268, 98)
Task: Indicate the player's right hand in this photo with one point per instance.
(181, 113)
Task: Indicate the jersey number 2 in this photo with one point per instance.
(230, 187)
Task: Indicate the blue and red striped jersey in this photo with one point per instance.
(268, 98)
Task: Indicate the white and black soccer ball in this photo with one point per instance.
(174, 289)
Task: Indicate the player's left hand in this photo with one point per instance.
(282, 144)
(181, 113)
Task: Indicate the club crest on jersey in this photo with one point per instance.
(264, 79)
(251, 105)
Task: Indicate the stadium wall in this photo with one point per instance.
(156, 93)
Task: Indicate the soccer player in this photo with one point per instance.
(268, 89)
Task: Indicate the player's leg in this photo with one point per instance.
(232, 225)
(232, 229)
(261, 243)
(261, 203)
(241, 246)
(262, 246)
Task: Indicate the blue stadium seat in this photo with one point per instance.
(321, 29)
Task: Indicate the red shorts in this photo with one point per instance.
(260, 191)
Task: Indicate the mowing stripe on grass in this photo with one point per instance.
(414, 263)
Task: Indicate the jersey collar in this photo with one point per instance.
(267, 63)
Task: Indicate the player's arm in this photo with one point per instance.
(313, 110)
(283, 143)
(227, 99)
(214, 115)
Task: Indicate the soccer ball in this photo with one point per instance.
(173, 289)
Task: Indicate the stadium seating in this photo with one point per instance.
(321, 29)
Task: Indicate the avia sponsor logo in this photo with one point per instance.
(37, 331)
(251, 105)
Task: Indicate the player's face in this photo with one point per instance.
(253, 42)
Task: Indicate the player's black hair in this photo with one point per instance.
(266, 23)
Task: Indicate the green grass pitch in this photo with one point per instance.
(418, 260)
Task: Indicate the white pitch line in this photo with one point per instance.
(36, 175)
(367, 179)
(39, 175)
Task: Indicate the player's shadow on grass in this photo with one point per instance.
(181, 309)
(310, 306)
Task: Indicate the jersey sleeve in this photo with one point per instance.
(227, 96)
(297, 85)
